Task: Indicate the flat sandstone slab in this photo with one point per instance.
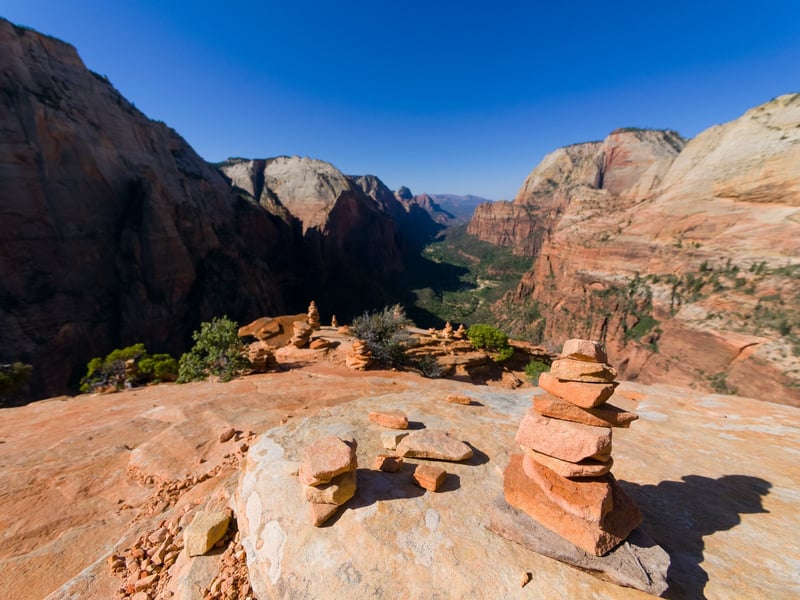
(434, 444)
(588, 467)
(391, 419)
(585, 395)
(567, 441)
(596, 538)
(605, 415)
(569, 369)
(326, 458)
(586, 350)
(205, 530)
(637, 563)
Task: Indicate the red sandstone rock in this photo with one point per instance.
(597, 538)
(589, 498)
(429, 477)
(337, 491)
(568, 441)
(388, 463)
(227, 435)
(586, 350)
(569, 369)
(605, 415)
(430, 443)
(325, 459)
(322, 512)
(459, 399)
(585, 395)
(588, 467)
(393, 419)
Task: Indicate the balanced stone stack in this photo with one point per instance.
(359, 358)
(328, 472)
(563, 479)
(301, 333)
(313, 316)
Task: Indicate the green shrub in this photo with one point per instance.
(217, 351)
(535, 368)
(385, 333)
(429, 366)
(128, 367)
(486, 337)
(14, 379)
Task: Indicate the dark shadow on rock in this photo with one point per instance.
(415, 425)
(450, 484)
(679, 514)
(475, 403)
(478, 457)
(375, 486)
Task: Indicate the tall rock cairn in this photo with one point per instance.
(563, 478)
(313, 316)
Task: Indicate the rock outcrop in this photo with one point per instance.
(683, 259)
(112, 229)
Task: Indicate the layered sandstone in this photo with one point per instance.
(682, 259)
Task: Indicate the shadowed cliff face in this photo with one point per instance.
(112, 229)
(684, 260)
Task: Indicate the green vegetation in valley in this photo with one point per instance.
(535, 368)
(128, 367)
(217, 351)
(486, 273)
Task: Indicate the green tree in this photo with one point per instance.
(217, 351)
(486, 337)
(127, 367)
(14, 379)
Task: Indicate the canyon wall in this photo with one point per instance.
(684, 260)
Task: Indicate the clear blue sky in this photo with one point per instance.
(458, 97)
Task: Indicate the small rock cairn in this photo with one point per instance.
(301, 333)
(328, 473)
(359, 358)
(313, 316)
(563, 480)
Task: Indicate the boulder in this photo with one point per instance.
(569, 369)
(605, 415)
(205, 530)
(585, 395)
(430, 443)
(568, 441)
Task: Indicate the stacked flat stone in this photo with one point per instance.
(301, 333)
(313, 316)
(359, 358)
(563, 480)
(328, 472)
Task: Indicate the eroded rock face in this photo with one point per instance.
(682, 259)
(112, 229)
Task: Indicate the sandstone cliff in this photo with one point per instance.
(112, 229)
(683, 259)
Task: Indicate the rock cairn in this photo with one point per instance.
(447, 332)
(313, 316)
(261, 356)
(563, 479)
(301, 333)
(334, 322)
(460, 333)
(359, 358)
(328, 473)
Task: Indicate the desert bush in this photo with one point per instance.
(535, 368)
(486, 337)
(386, 334)
(14, 379)
(429, 366)
(128, 367)
(217, 351)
